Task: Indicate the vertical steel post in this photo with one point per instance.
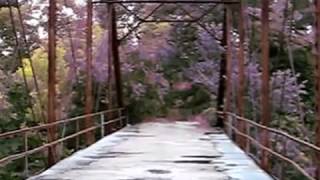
(89, 136)
(120, 118)
(317, 76)
(228, 52)
(223, 69)
(114, 43)
(265, 104)
(110, 18)
(52, 131)
(102, 133)
(241, 58)
(26, 158)
(78, 137)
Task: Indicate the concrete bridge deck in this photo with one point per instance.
(159, 151)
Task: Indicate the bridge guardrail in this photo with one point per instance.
(120, 117)
(251, 139)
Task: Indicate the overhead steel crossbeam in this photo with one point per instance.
(171, 1)
(199, 23)
(140, 22)
(190, 18)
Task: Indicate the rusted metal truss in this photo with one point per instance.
(265, 87)
(224, 96)
(222, 88)
(241, 82)
(114, 52)
(140, 22)
(228, 59)
(190, 19)
(157, 20)
(89, 136)
(317, 83)
(146, 19)
(52, 131)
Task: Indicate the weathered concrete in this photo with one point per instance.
(159, 151)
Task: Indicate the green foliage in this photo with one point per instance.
(148, 106)
(78, 98)
(8, 47)
(20, 108)
(183, 40)
(302, 62)
(18, 117)
(194, 100)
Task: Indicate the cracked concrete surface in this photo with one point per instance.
(159, 151)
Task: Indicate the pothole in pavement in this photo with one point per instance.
(83, 162)
(115, 153)
(231, 165)
(220, 169)
(159, 171)
(101, 156)
(193, 161)
(134, 135)
(202, 156)
(205, 139)
(133, 131)
(184, 161)
(111, 155)
(213, 132)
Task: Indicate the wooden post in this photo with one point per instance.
(89, 136)
(265, 97)
(317, 73)
(241, 83)
(52, 131)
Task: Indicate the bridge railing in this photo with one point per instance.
(113, 116)
(231, 126)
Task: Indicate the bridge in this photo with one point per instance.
(114, 147)
(159, 150)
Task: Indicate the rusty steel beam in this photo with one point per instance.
(52, 131)
(212, 34)
(89, 136)
(265, 97)
(114, 43)
(223, 69)
(169, 1)
(131, 12)
(241, 67)
(228, 55)
(317, 75)
(139, 23)
(110, 98)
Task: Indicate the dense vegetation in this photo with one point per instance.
(169, 70)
